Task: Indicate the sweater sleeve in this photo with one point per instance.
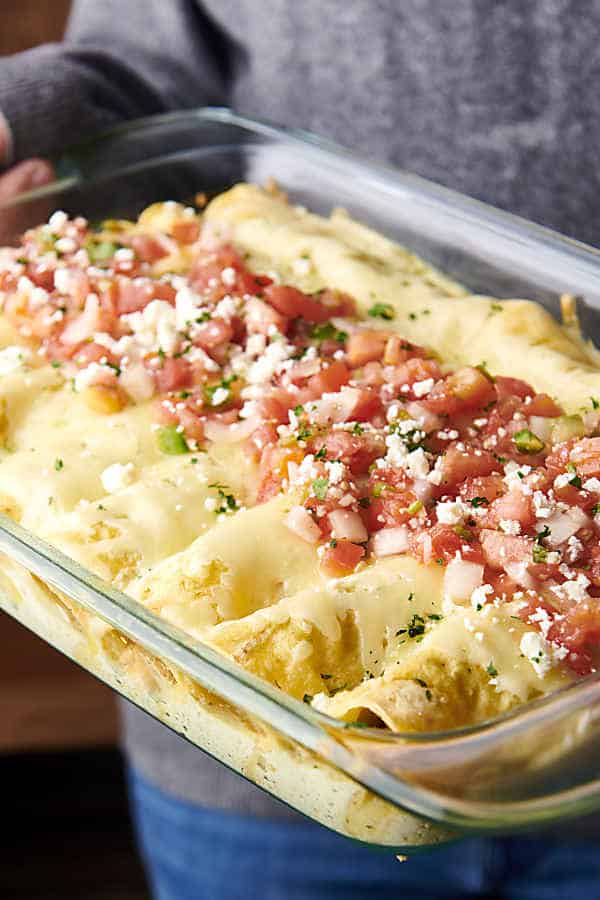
(118, 61)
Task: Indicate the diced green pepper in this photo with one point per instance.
(528, 442)
(171, 441)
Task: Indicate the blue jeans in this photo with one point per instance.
(193, 853)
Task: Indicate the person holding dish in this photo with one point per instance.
(488, 99)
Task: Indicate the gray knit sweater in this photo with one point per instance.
(497, 99)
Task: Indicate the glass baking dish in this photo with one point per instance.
(533, 766)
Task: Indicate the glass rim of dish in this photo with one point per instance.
(121, 611)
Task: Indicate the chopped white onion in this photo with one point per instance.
(423, 489)
(337, 407)
(563, 525)
(427, 420)
(519, 574)
(84, 326)
(137, 382)
(300, 522)
(541, 426)
(461, 578)
(390, 541)
(230, 434)
(347, 525)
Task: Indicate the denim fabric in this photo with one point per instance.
(192, 853)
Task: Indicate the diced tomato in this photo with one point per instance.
(330, 379)
(342, 558)
(389, 509)
(172, 375)
(134, 294)
(274, 406)
(413, 370)
(274, 469)
(512, 387)
(337, 303)
(42, 275)
(368, 406)
(579, 632)
(213, 333)
(488, 487)
(514, 506)
(458, 465)
(149, 248)
(186, 232)
(205, 274)
(294, 303)
(593, 573)
(261, 318)
(397, 351)
(585, 456)
(500, 549)
(365, 346)
(467, 388)
(543, 405)
(357, 451)
(441, 543)
(265, 435)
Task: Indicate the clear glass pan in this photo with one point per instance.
(534, 766)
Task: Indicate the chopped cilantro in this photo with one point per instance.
(364, 502)
(321, 454)
(434, 617)
(595, 403)
(416, 626)
(544, 533)
(575, 480)
(171, 441)
(328, 332)
(58, 464)
(333, 543)
(595, 509)
(298, 410)
(420, 682)
(56, 364)
(412, 316)
(320, 487)
(308, 698)
(183, 395)
(479, 501)
(492, 670)
(528, 442)
(203, 317)
(382, 311)
(357, 429)
(228, 502)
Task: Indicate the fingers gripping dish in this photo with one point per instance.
(296, 441)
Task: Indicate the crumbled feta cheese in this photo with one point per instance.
(592, 484)
(188, 307)
(335, 471)
(270, 362)
(575, 590)
(57, 221)
(538, 651)
(228, 276)
(155, 326)
(542, 505)
(514, 473)
(422, 388)
(226, 308)
(480, 595)
(116, 477)
(510, 526)
(451, 512)
(562, 481)
(210, 504)
(219, 396)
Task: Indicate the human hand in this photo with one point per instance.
(25, 176)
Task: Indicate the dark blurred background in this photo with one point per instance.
(67, 829)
